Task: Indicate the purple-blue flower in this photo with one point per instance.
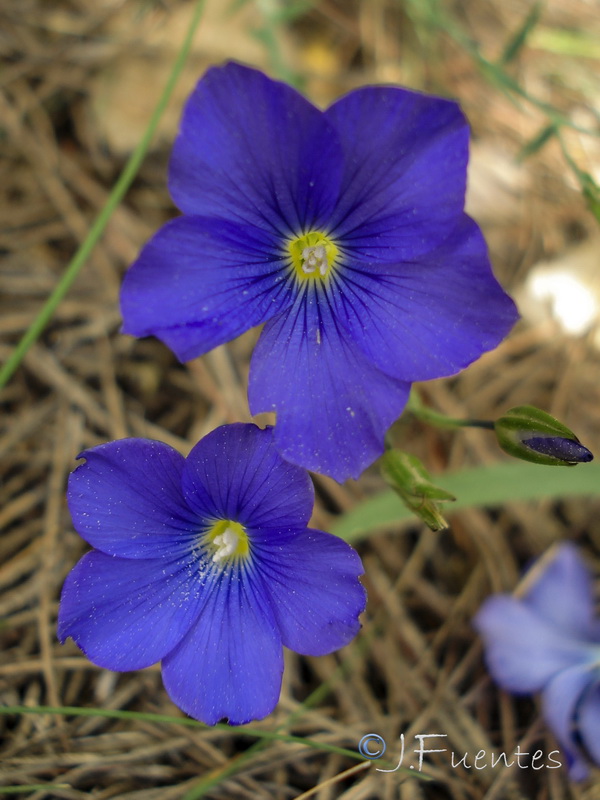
(548, 641)
(205, 563)
(343, 231)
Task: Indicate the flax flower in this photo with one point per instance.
(344, 232)
(205, 563)
(548, 641)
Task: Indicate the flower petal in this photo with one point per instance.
(562, 594)
(236, 473)
(200, 282)
(230, 664)
(426, 318)
(522, 651)
(406, 162)
(312, 579)
(126, 500)
(333, 407)
(255, 151)
(560, 700)
(128, 613)
(589, 719)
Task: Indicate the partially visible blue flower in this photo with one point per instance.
(343, 231)
(205, 563)
(548, 641)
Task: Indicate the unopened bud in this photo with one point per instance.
(412, 483)
(531, 434)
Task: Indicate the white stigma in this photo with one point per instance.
(226, 543)
(314, 258)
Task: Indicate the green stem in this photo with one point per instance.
(242, 730)
(118, 192)
(33, 787)
(268, 34)
(438, 19)
(446, 24)
(415, 406)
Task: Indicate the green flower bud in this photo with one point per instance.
(531, 434)
(412, 483)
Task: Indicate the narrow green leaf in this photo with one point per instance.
(589, 187)
(577, 44)
(480, 486)
(117, 193)
(538, 141)
(235, 6)
(291, 11)
(241, 730)
(33, 787)
(216, 777)
(591, 192)
(514, 46)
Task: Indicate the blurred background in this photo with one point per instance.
(78, 84)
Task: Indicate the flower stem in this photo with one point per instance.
(118, 192)
(416, 407)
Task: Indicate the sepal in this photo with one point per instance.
(410, 480)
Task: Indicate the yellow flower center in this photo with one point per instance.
(313, 256)
(228, 541)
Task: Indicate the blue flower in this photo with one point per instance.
(549, 641)
(344, 232)
(205, 563)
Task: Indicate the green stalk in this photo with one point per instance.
(242, 730)
(416, 407)
(33, 787)
(118, 192)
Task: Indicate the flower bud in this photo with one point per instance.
(412, 483)
(533, 435)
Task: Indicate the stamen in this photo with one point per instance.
(315, 258)
(226, 543)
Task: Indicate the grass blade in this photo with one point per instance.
(118, 192)
(514, 46)
(476, 487)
